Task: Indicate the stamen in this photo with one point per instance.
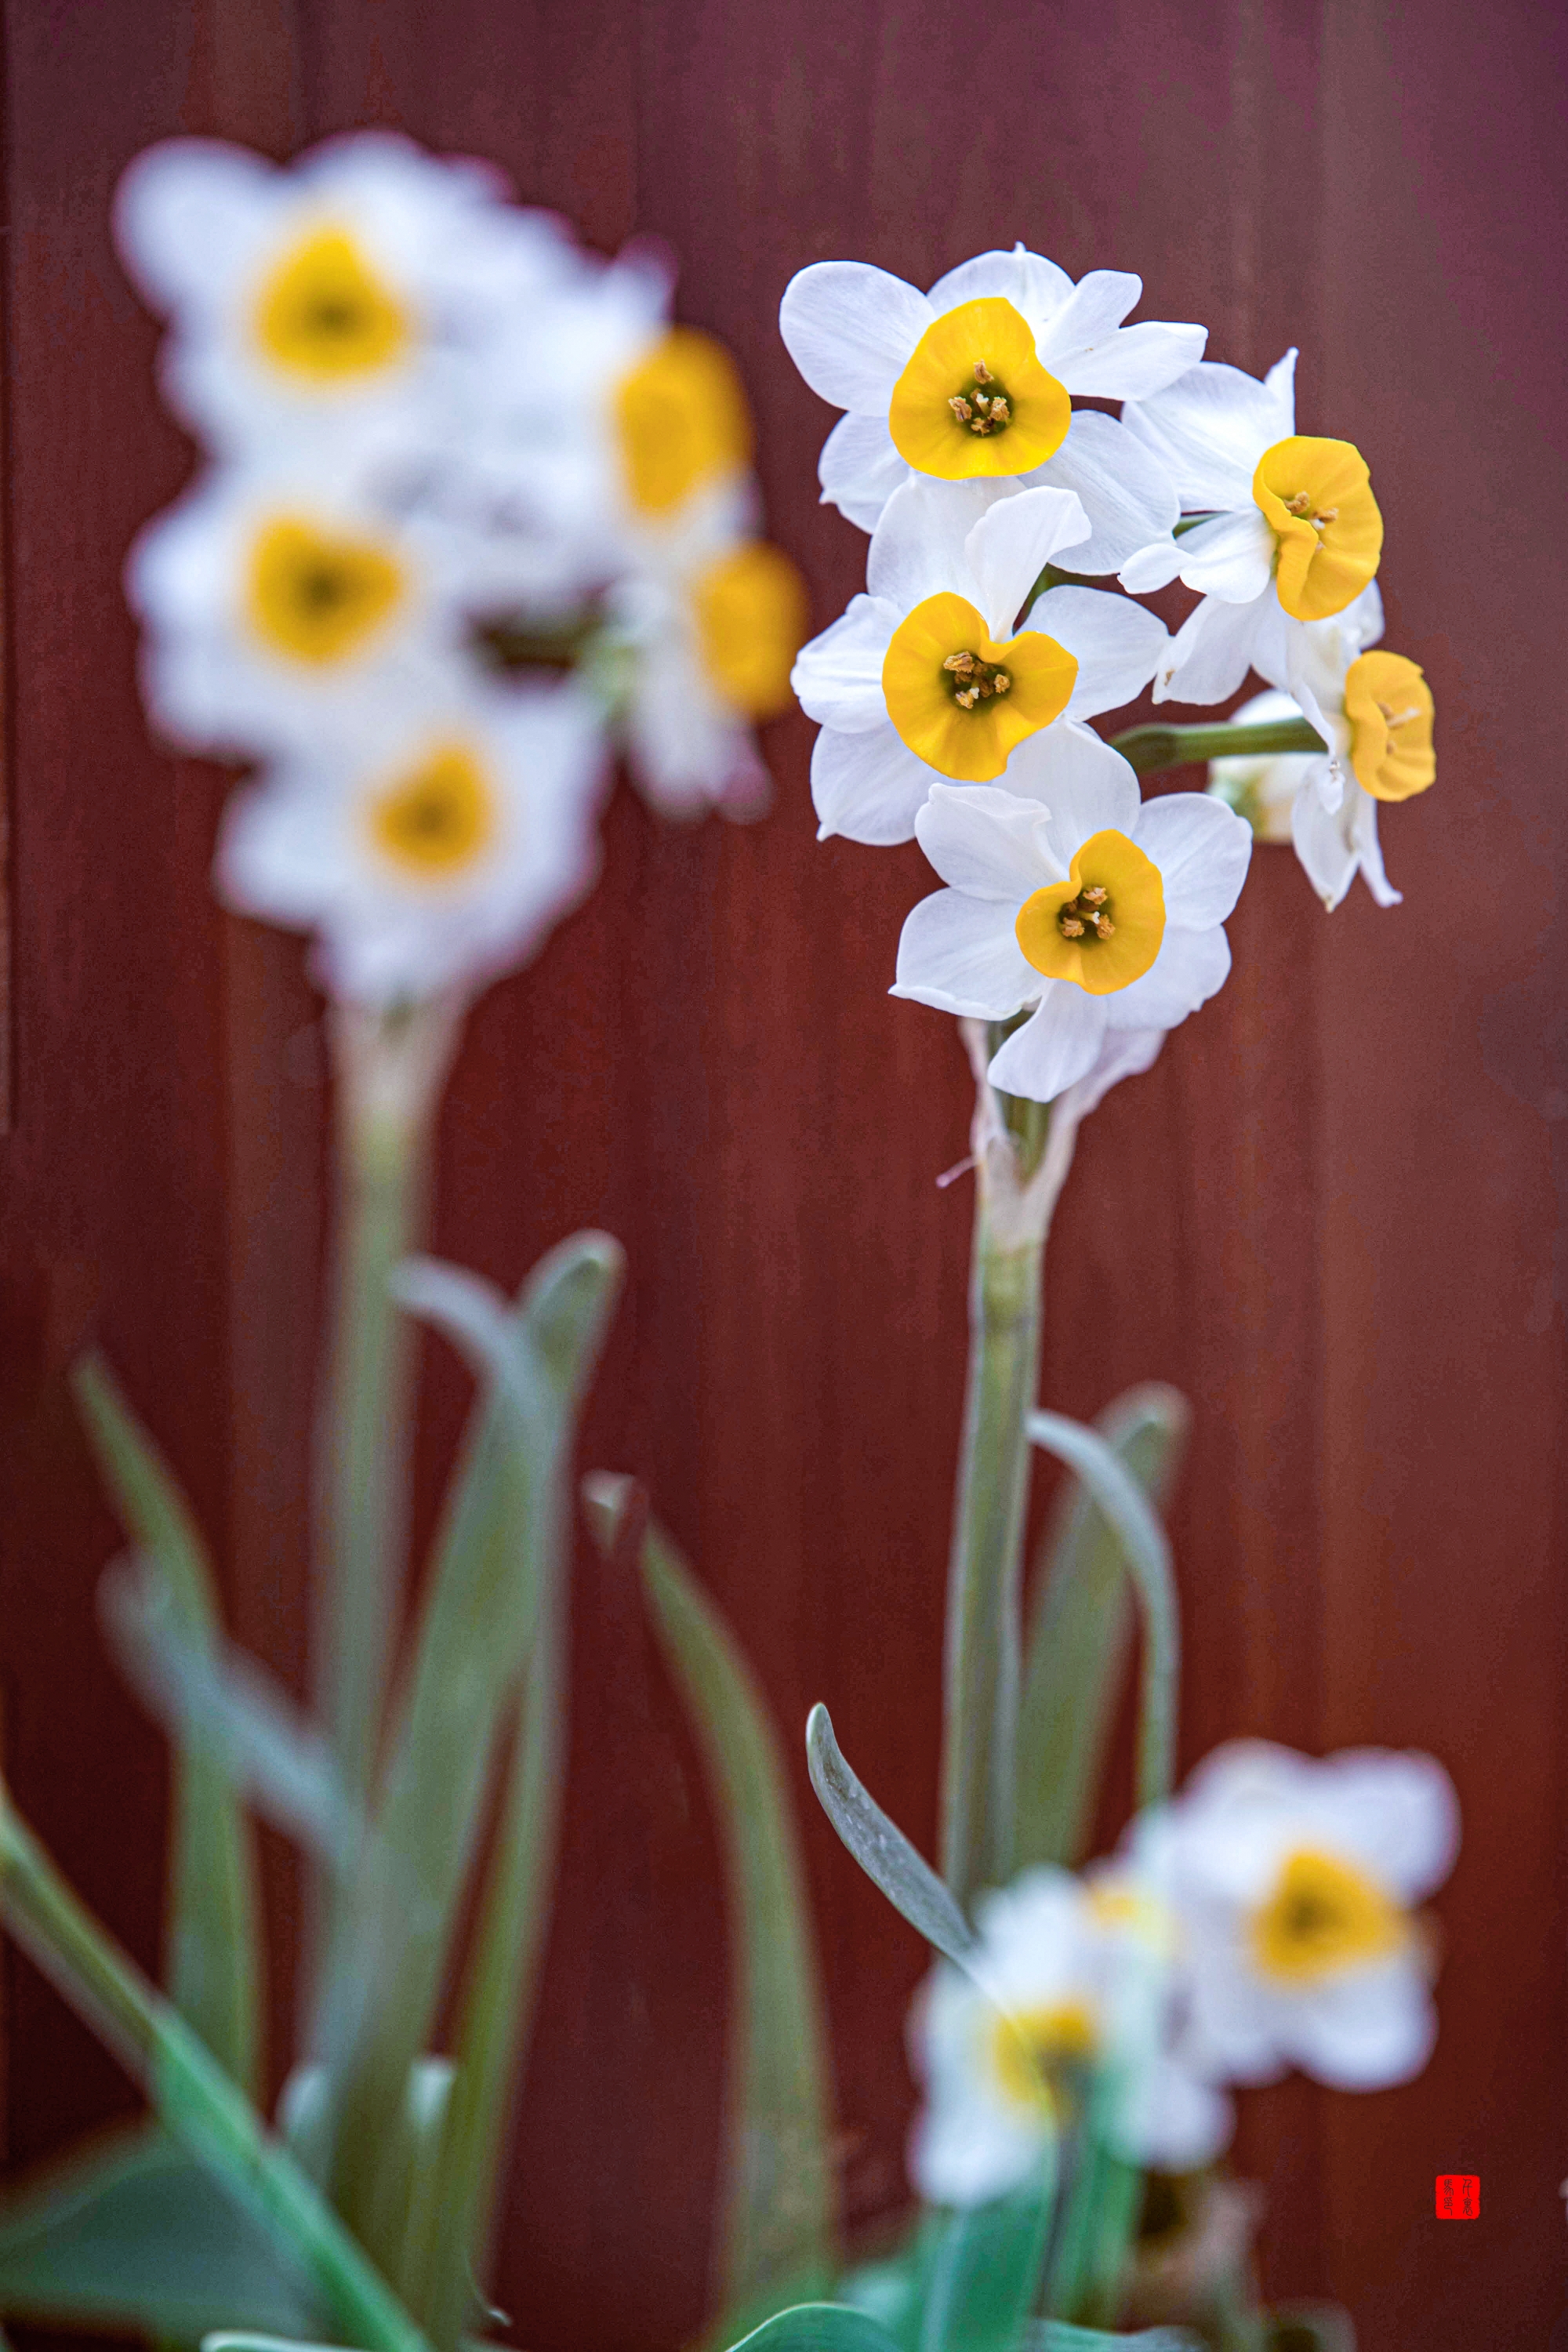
(1103, 925)
(1003, 684)
(1398, 718)
(976, 680)
(981, 372)
(962, 663)
(1094, 895)
(1000, 412)
(1087, 913)
(1070, 926)
(961, 408)
(1301, 504)
(968, 697)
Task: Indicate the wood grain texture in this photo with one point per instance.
(1333, 1213)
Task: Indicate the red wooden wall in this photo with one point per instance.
(1330, 1214)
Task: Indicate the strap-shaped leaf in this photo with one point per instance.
(1059, 2336)
(818, 2327)
(1143, 1539)
(880, 1847)
(214, 1961)
(1081, 1629)
(497, 1555)
(777, 2230)
(986, 2273)
(138, 2235)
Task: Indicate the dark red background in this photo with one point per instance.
(1328, 1215)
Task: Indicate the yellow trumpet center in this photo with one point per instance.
(682, 420)
(751, 618)
(1102, 927)
(1316, 497)
(1322, 1915)
(1032, 2051)
(325, 314)
(961, 701)
(1389, 705)
(316, 596)
(438, 818)
(974, 399)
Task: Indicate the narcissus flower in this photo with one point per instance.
(929, 675)
(1066, 1986)
(1375, 712)
(433, 847)
(1071, 896)
(974, 379)
(1288, 525)
(329, 297)
(1295, 1881)
(276, 597)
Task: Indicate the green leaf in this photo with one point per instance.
(1146, 1548)
(498, 1561)
(880, 1847)
(776, 2240)
(986, 2273)
(1081, 1632)
(818, 2327)
(214, 1937)
(1059, 2336)
(137, 2234)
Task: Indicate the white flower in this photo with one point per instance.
(331, 298)
(1064, 1985)
(1289, 529)
(904, 365)
(278, 599)
(1102, 911)
(924, 675)
(433, 847)
(1293, 1880)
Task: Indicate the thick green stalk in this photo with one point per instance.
(1149, 748)
(195, 2101)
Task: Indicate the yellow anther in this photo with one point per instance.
(981, 372)
(961, 408)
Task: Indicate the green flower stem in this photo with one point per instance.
(985, 1570)
(1149, 748)
(195, 2101)
(389, 1073)
(1098, 2228)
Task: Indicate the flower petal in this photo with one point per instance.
(850, 329)
(1322, 845)
(1128, 496)
(1087, 318)
(959, 953)
(1211, 651)
(1137, 361)
(185, 207)
(1009, 547)
(1055, 1047)
(988, 842)
(1125, 1053)
(917, 547)
(1191, 966)
(859, 468)
(1152, 567)
(1032, 285)
(837, 677)
(1087, 787)
(1231, 557)
(1364, 2030)
(1202, 850)
(1211, 426)
(1118, 644)
(868, 787)
(1363, 835)
(1397, 1812)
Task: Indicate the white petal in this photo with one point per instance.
(964, 2152)
(1032, 285)
(859, 468)
(1086, 322)
(1128, 496)
(1231, 557)
(1190, 968)
(1202, 850)
(1011, 544)
(1211, 652)
(1326, 854)
(1138, 361)
(987, 842)
(1152, 567)
(1125, 1053)
(1213, 425)
(1280, 385)
(1364, 2030)
(1118, 644)
(1363, 834)
(1173, 2119)
(837, 677)
(850, 329)
(960, 954)
(1397, 1812)
(868, 787)
(1087, 787)
(183, 208)
(1056, 1046)
(917, 547)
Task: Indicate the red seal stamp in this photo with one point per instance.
(1458, 2196)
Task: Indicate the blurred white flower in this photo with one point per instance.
(1294, 1882)
(277, 598)
(1289, 529)
(1065, 2002)
(1100, 910)
(332, 299)
(975, 378)
(425, 847)
(924, 675)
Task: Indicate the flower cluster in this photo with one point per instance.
(1262, 1920)
(953, 697)
(472, 510)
